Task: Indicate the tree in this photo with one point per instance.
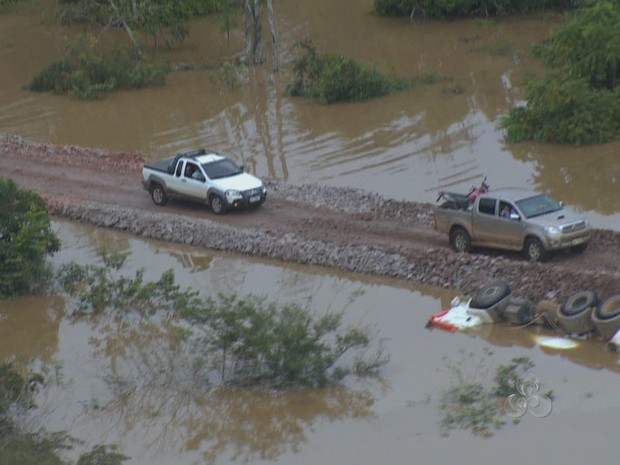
(26, 239)
(161, 19)
(230, 340)
(19, 445)
(462, 8)
(253, 31)
(588, 46)
(578, 101)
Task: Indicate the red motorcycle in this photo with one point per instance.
(457, 201)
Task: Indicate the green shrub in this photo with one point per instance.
(463, 8)
(252, 341)
(334, 78)
(26, 239)
(23, 447)
(88, 74)
(577, 101)
(563, 109)
(244, 340)
(229, 76)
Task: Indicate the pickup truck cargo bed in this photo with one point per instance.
(161, 165)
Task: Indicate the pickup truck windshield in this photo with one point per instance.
(221, 169)
(538, 205)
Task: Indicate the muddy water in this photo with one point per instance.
(118, 387)
(403, 146)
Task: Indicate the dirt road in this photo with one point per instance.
(341, 228)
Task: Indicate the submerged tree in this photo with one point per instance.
(18, 445)
(26, 239)
(237, 340)
(253, 31)
(333, 78)
(162, 20)
(578, 100)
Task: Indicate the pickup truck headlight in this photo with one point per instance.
(232, 195)
(553, 232)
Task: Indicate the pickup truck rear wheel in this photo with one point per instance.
(534, 251)
(158, 194)
(460, 240)
(217, 204)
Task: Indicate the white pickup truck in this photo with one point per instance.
(203, 176)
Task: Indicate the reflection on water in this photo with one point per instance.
(407, 145)
(126, 382)
(29, 328)
(150, 385)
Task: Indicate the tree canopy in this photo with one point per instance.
(26, 239)
(577, 101)
(465, 8)
(162, 20)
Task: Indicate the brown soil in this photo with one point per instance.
(344, 228)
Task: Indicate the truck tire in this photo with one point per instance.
(158, 194)
(534, 250)
(490, 294)
(574, 316)
(606, 317)
(460, 240)
(217, 204)
(579, 302)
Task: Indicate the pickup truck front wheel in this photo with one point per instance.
(158, 194)
(217, 204)
(534, 251)
(460, 240)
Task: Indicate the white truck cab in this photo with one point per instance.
(203, 176)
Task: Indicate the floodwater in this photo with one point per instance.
(109, 386)
(403, 146)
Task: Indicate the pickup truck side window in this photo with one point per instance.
(192, 171)
(486, 206)
(505, 209)
(179, 169)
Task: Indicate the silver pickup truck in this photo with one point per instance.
(203, 176)
(514, 219)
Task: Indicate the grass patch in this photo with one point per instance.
(499, 47)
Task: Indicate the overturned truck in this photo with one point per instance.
(581, 315)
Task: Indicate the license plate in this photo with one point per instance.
(255, 198)
(577, 241)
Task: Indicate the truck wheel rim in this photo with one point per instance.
(158, 195)
(460, 242)
(534, 251)
(216, 205)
